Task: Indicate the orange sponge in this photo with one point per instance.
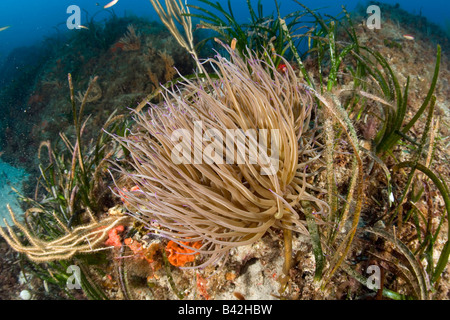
(114, 237)
(179, 255)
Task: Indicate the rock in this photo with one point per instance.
(25, 295)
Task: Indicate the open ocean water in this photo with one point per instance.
(31, 20)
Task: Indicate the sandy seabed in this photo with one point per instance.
(10, 177)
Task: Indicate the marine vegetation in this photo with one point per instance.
(163, 197)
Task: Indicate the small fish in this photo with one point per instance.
(408, 37)
(200, 26)
(82, 27)
(4, 28)
(233, 43)
(109, 5)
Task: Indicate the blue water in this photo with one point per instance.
(31, 20)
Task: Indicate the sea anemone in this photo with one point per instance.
(189, 191)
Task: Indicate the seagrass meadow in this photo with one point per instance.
(134, 191)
